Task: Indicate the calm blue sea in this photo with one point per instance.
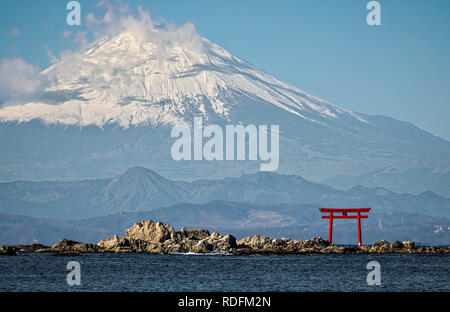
(154, 272)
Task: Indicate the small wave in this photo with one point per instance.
(215, 253)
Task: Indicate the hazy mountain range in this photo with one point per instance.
(139, 189)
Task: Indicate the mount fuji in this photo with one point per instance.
(112, 106)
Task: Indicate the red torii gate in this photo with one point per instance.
(344, 215)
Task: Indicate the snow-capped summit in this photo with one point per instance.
(136, 78)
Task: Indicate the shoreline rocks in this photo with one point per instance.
(157, 237)
(8, 251)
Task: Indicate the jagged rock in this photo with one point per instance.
(285, 245)
(227, 242)
(316, 242)
(154, 248)
(215, 235)
(381, 246)
(381, 243)
(171, 246)
(397, 245)
(33, 247)
(115, 244)
(203, 246)
(408, 244)
(152, 232)
(255, 241)
(365, 248)
(192, 234)
(278, 246)
(124, 244)
(66, 245)
(349, 249)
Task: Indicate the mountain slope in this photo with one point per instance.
(128, 80)
(113, 105)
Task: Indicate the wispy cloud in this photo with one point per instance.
(118, 17)
(25, 81)
(19, 79)
(14, 32)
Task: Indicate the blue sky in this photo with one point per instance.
(400, 69)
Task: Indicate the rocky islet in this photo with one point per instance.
(157, 237)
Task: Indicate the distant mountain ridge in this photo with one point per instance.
(401, 177)
(140, 189)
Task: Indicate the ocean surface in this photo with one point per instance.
(191, 272)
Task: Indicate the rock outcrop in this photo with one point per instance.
(158, 237)
(402, 247)
(148, 236)
(127, 244)
(284, 245)
(8, 250)
(66, 247)
(151, 232)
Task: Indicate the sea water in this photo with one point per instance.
(221, 272)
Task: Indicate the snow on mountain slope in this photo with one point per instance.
(130, 80)
(112, 105)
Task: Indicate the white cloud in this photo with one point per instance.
(162, 32)
(25, 81)
(19, 79)
(118, 17)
